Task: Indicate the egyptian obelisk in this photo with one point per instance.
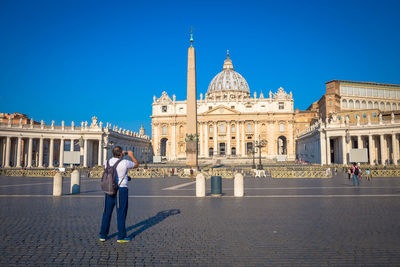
(191, 117)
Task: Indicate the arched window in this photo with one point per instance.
(164, 129)
(357, 104)
(344, 103)
(233, 128)
(388, 106)
(382, 106)
(363, 104)
(210, 129)
(370, 105)
(376, 105)
(281, 127)
(394, 106)
(351, 103)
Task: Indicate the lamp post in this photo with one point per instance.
(108, 145)
(253, 151)
(259, 144)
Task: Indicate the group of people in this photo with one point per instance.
(356, 173)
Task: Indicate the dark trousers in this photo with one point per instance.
(121, 200)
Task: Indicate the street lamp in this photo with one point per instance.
(253, 151)
(259, 144)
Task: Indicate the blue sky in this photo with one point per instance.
(71, 60)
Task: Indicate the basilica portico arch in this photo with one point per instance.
(163, 147)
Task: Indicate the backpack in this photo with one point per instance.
(356, 171)
(108, 180)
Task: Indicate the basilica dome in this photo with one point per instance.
(228, 80)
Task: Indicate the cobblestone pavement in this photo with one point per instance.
(282, 222)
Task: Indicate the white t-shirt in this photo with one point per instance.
(122, 170)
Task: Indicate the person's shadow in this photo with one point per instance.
(150, 222)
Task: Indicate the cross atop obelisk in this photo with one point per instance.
(191, 116)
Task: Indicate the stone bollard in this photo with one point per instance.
(57, 185)
(200, 185)
(238, 185)
(75, 182)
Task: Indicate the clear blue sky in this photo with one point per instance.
(71, 60)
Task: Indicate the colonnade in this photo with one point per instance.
(382, 148)
(28, 152)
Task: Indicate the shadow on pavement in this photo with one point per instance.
(150, 222)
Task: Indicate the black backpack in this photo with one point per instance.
(356, 171)
(108, 180)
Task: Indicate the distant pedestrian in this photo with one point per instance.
(335, 170)
(191, 174)
(350, 172)
(368, 175)
(356, 174)
(328, 171)
(121, 198)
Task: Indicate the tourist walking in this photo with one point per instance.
(120, 199)
(356, 174)
(350, 172)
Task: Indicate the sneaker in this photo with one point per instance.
(102, 239)
(125, 240)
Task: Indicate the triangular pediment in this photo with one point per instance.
(221, 110)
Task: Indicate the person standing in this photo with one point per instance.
(121, 198)
(356, 174)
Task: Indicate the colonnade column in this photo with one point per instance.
(100, 156)
(85, 147)
(328, 150)
(344, 150)
(41, 152)
(383, 150)
(51, 154)
(395, 149)
(72, 145)
(30, 152)
(371, 149)
(19, 152)
(201, 139)
(359, 142)
(8, 152)
(323, 149)
(228, 137)
(61, 153)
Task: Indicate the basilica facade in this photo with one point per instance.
(230, 122)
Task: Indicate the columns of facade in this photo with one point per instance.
(173, 144)
(30, 152)
(99, 154)
(344, 150)
(237, 139)
(19, 152)
(359, 142)
(228, 138)
(383, 150)
(215, 138)
(242, 125)
(85, 153)
(206, 139)
(8, 152)
(61, 153)
(328, 150)
(394, 149)
(51, 154)
(41, 152)
(155, 140)
(201, 139)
